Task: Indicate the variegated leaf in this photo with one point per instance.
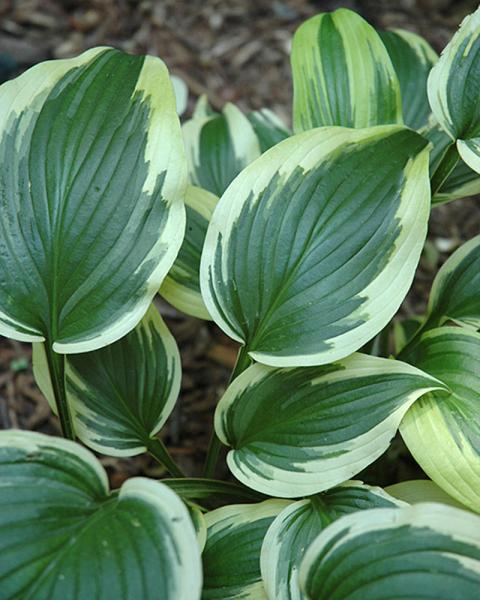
(455, 293)
(205, 490)
(313, 247)
(181, 93)
(299, 524)
(218, 147)
(462, 181)
(442, 429)
(453, 90)
(182, 285)
(231, 558)
(41, 373)
(403, 332)
(423, 551)
(91, 197)
(342, 74)
(300, 431)
(203, 108)
(65, 535)
(199, 522)
(416, 491)
(412, 58)
(120, 396)
(269, 128)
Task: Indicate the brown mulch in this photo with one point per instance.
(234, 50)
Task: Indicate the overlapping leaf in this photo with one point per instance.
(404, 330)
(295, 528)
(199, 522)
(313, 247)
(453, 90)
(455, 293)
(219, 146)
(462, 180)
(342, 74)
(300, 431)
(182, 285)
(269, 128)
(91, 188)
(442, 429)
(422, 551)
(181, 93)
(203, 489)
(231, 558)
(412, 58)
(203, 108)
(121, 395)
(64, 535)
(417, 491)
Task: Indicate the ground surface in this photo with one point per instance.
(234, 50)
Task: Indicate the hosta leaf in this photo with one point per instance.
(421, 490)
(453, 91)
(181, 93)
(42, 376)
(295, 528)
(313, 247)
(269, 128)
(423, 551)
(199, 522)
(300, 431)
(121, 395)
(182, 285)
(412, 58)
(404, 330)
(218, 147)
(455, 293)
(203, 108)
(440, 142)
(64, 535)
(462, 181)
(231, 558)
(342, 74)
(91, 190)
(201, 489)
(442, 429)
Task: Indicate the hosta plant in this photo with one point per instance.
(300, 244)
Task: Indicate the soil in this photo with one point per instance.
(233, 50)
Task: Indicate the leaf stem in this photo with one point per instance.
(157, 449)
(242, 363)
(444, 168)
(56, 367)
